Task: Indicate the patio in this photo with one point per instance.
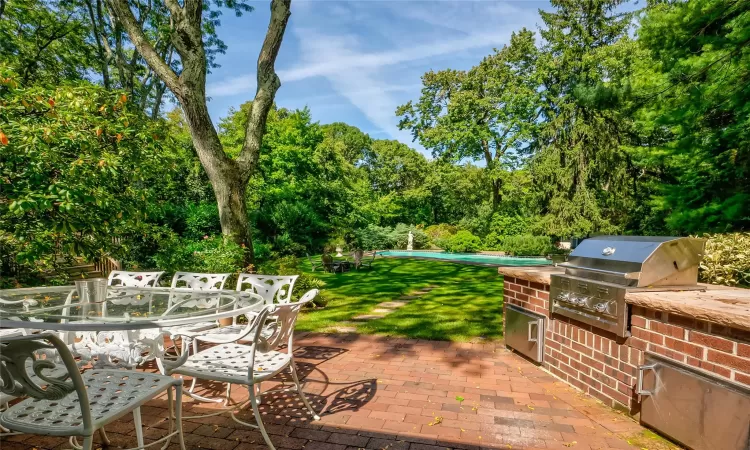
(388, 393)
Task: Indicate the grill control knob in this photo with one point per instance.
(601, 307)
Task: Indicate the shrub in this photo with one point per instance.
(206, 255)
(201, 219)
(440, 231)
(523, 245)
(508, 225)
(461, 242)
(726, 259)
(373, 238)
(400, 237)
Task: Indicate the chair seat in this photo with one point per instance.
(234, 333)
(112, 393)
(192, 328)
(229, 363)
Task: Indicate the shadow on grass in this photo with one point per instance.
(465, 304)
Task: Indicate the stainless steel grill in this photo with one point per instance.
(601, 270)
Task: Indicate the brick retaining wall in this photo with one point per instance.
(604, 366)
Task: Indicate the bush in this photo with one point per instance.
(206, 255)
(373, 238)
(201, 219)
(523, 245)
(461, 242)
(508, 225)
(726, 260)
(400, 237)
(440, 231)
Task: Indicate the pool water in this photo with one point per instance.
(470, 258)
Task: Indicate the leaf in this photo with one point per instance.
(98, 131)
(123, 99)
(51, 103)
(119, 137)
(459, 399)
(3, 138)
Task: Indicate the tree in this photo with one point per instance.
(579, 169)
(692, 95)
(229, 176)
(349, 141)
(44, 41)
(487, 113)
(78, 165)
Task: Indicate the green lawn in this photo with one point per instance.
(465, 304)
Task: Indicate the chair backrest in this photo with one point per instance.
(279, 328)
(273, 288)
(200, 281)
(133, 279)
(358, 254)
(22, 367)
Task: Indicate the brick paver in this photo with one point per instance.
(397, 394)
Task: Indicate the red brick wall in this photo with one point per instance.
(604, 366)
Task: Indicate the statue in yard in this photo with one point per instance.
(410, 244)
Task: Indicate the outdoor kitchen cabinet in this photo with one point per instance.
(693, 407)
(524, 332)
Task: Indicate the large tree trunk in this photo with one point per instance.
(497, 184)
(230, 196)
(228, 177)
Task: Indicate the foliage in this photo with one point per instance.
(290, 265)
(461, 242)
(78, 166)
(400, 237)
(373, 237)
(693, 114)
(579, 169)
(726, 259)
(440, 231)
(213, 254)
(508, 225)
(520, 245)
(201, 219)
(45, 41)
(487, 113)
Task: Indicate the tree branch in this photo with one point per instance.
(124, 15)
(268, 83)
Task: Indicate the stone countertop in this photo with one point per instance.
(718, 304)
(539, 274)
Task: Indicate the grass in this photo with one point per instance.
(465, 303)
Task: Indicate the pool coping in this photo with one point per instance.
(471, 263)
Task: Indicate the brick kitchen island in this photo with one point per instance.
(707, 330)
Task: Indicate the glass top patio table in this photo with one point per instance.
(126, 308)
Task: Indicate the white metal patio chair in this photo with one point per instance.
(248, 364)
(200, 282)
(275, 289)
(235, 332)
(73, 404)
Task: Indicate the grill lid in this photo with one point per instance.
(638, 260)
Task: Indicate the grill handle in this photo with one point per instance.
(533, 324)
(641, 371)
(629, 275)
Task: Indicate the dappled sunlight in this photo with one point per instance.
(464, 302)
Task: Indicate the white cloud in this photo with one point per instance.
(373, 52)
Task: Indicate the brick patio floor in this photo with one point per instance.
(398, 394)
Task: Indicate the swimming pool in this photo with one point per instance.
(469, 258)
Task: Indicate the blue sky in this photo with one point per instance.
(356, 61)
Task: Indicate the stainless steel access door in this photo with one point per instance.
(693, 407)
(524, 332)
